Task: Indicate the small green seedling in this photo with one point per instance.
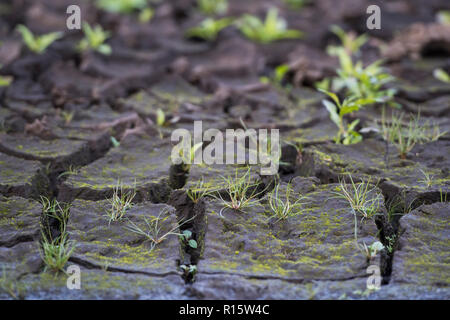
(272, 29)
(391, 243)
(114, 142)
(350, 42)
(213, 7)
(37, 44)
(337, 111)
(94, 39)
(278, 76)
(121, 6)
(67, 116)
(146, 14)
(209, 28)
(282, 206)
(372, 250)
(160, 118)
(186, 236)
(5, 80)
(441, 75)
(189, 270)
(120, 202)
(188, 158)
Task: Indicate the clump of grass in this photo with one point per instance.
(281, 205)
(362, 197)
(241, 192)
(37, 44)
(364, 200)
(11, 286)
(158, 228)
(72, 170)
(94, 39)
(209, 28)
(213, 7)
(427, 178)
(53, 209)
(120, 202)
(404, 139)
(55, 253)
(198, 191)
(273, 28)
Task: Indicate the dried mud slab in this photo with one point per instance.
(101, 285)
(19, 247)
(316, 245)
(59, 152)
(140, 163)
(111, 245)
(331, 162)
(19, 220)
(22, 177)
(417, 40)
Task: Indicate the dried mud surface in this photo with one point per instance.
(239, 255)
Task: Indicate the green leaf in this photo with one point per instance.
(441, 75)
(193, 244)
(333, 113)
(105, 49)
(115, 142)
(332, 96)
(160, 117)
(187, 234)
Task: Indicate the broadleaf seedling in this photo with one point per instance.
(94, 39)
(337, 110)
(209, 28)
(273, 28)
(37, 44)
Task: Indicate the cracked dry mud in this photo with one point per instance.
(73, 126)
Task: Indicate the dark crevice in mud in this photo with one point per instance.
(178, 175)
(15, 241)
(190, 216)
(290, 280)
(90, 265)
